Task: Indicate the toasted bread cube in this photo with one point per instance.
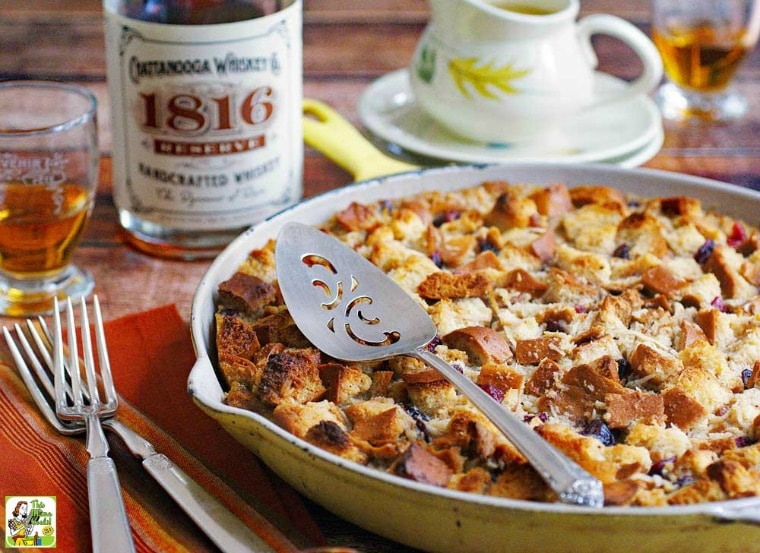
(592, 227)
(260, 263)
(681, 206)
(710, 359)
(449, 315)
(553, 200)
(605, 463)
(735, 480)
(292, 375)
(239, 370)
(511, 211)
(500, 376)
(726, 263)
(744, 411)
(442, 284)
(703, 490)
(587, 265)
(343, 382)
(521, 481)
(600, 195)
(662, 442)
(701, 291)
(482, 344)
(653, 365)
(682, 410)
(544, 246)
(299, 418)
(623, 409)
(533, 351)
(357, 217)
(279, 328)
(543, 378)
(643, 234)
(418, 464)
(246, 293)
(332, 437)
(703, 387)
(235, 336)
(435, 398)
(378, 420)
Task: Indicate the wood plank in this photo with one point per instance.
(53, 48)
(632, 9)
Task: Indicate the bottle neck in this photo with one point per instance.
(198, 12)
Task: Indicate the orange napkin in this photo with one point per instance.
(151, 356)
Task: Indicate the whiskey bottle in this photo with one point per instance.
(206, 118)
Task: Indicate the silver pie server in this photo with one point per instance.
(351, 310)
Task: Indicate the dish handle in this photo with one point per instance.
(327, 131)
(748, 512)
(202, 383)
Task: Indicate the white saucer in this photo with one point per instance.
(625, 132)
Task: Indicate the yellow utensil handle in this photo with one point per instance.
(326, 130)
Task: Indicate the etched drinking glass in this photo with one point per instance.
(702, 44)
(48, 177)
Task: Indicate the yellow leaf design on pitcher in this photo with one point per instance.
(481, 78)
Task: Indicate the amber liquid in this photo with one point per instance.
(40, 226)
(526, 9)
(702, 57)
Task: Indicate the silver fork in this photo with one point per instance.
(108, 517)
(36, 365)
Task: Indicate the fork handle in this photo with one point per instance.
(219, 524)
(108, 517)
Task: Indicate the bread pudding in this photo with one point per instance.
(624, 330)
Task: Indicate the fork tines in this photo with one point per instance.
(71, 406)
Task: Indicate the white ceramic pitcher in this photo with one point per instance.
(490, 72)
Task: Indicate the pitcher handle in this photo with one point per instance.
(639, 42)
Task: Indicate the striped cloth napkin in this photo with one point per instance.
(151, 356)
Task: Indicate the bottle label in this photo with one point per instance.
(207, 119)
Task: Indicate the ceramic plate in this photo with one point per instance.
(436, 519)
(610, 133)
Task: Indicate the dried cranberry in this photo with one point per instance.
(685, 481)
(420, 419)
(746, 374)
(623, 368)
(437, 259)
(718, 304)
(623, 251)
(599, 430)
(415, 412)
(556, 326)
(496, 393)
(659, 466)
(743, 441)
(446, 217)
(387, 206)
(486, 245)
(581, 309)
(704, 252)
(434, 343)
(738, 235)
(543, 417)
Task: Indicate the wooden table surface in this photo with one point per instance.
(347, 45)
